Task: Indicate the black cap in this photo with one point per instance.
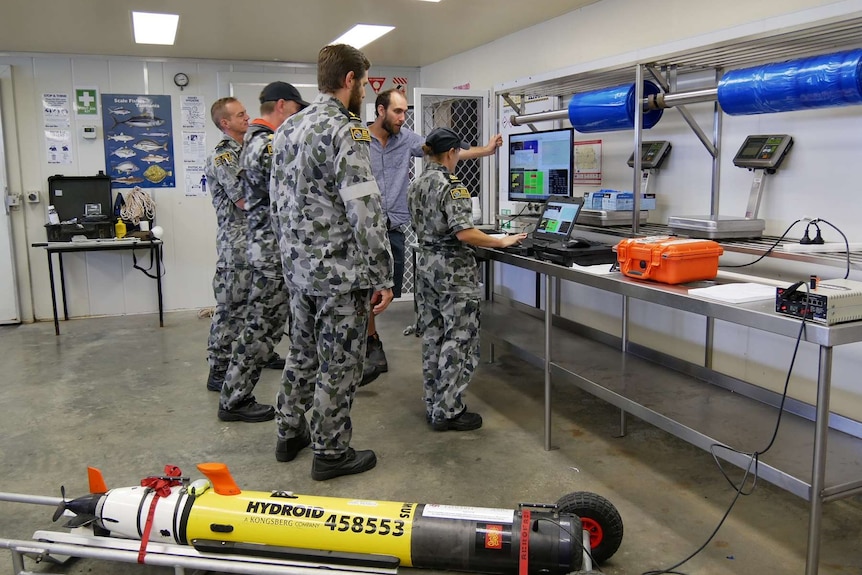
(443, 139)
(276, 91)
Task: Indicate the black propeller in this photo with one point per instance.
(79, 507)
(62, 506)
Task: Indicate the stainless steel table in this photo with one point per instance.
(809, 482)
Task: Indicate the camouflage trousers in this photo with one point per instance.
(323, 367)
(230, 287)
(264, 327)
(449, 324)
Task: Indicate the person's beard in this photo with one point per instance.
(355, 103)
(390, 128)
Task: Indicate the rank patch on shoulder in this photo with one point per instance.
(460, 194)
(223, 159)
(360, 134)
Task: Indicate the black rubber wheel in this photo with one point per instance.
(600, 518)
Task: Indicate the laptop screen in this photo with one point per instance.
(558, 219)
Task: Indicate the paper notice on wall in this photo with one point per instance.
(58, 145)
(588, 163)
(196, 180)
(55, 110)
(194, 112)
(194, 147)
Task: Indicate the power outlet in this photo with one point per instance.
(33, 197)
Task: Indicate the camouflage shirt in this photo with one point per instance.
(222, 173)
(255, 163)
(440, 207)
(332, 231)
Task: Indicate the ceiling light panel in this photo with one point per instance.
(362, 35)
(152, 28)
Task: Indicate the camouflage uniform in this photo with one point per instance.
(335, 252)
(447, 289)
(267, 298)
(232, 275)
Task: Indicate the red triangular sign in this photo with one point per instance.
(376, 83)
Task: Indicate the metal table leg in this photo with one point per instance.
(548, 322)
(818, 465)
(158, 253)
(53, 292)
(63, 287)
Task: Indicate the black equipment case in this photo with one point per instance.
(84, 206)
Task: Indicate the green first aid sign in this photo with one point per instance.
(85, 101)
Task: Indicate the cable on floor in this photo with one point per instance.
(754, 460)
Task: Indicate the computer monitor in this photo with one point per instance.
(559, 216)
(541, 165)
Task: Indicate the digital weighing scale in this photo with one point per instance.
(761, 154)
(653, 155)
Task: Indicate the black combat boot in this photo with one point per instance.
(464, 421)
(369, 373)
(215, 381)
(249, 411)
(349, 463)
(375, 355)
(288, 449)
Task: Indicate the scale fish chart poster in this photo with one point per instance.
(139, 143)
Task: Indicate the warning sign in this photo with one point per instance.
(400, 83)
(376, 83)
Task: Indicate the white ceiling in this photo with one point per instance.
(271, 30)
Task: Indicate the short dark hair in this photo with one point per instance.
(384, 98)
(334, 63)
(218, 111)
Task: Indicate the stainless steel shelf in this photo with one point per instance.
(749, 51)
(695, 411)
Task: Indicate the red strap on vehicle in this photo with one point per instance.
(142, 550)
(524, 553)
(162, 488)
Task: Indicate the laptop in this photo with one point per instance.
(553, 226)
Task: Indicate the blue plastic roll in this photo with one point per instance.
(610, 109)
(816, 82)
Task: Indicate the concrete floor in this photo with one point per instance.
(125, 396)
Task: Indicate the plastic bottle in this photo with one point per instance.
(53, 216)
(120, 228)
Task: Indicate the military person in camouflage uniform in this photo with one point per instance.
(447, 282)
(337, 263)
(267, 298)
(232, 275)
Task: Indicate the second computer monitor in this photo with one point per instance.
(540, 165)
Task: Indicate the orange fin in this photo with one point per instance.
(220, 477)
(97, 482)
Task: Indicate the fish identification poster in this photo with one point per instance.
(139, 143)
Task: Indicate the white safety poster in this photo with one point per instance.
(194, 112)
(194, 162)
(194, 147)
(196, 180)
(58, 145)
(55, 110)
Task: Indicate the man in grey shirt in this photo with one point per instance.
(392, 149)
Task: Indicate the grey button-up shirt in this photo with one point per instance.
(391, 169)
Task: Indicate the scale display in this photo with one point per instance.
(763, 152)
(652, 155)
